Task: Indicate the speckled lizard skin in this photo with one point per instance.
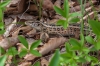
(54, 29)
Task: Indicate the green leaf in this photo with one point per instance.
(68, 47)
(35, 44)
(90, 39)
(2, 32)
(82, 5)
(3, 9)
(73, 63)
(62, 23)
(76, 57)
(82, 60)
(94, 60)
(23, 52)
(2, 25)
(86, 50)
(82, 39)
(59, 11)
(1, 15)
(66, 8)
(23, 41)
(5, 3)
(95, 25)
(88, 58)
(75, 48)
(79, 1)
(75, 14)
(35, 52)
(12, 51)
(55, 59)
(74, 42)
(74, 20)
(3, 60)
(97, 45)
(67, 55)
(37, 63)
(2, 51)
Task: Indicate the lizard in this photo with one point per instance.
(72, 30)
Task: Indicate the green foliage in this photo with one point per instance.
(1, 15)
(2, 31)
(35, 44)
(59, 11)
(39, 6)
(90, 40)
(67, 46)
(12, 51)
(95, 25)
(76, 51)
(2, 60)
(74, 20)
(2, 26)
(2, 5)
(2, 51)
(82, 40)
(23, 41)
(23, 52)
(55, 59)
(62, 22)
(71, 58)
(37, 64)
(69, 17)
(5, 3)
(75, 44)
(28, 49)
(35, 52)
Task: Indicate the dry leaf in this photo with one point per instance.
(16, 6)
(31, 33)
(9, 60)
(32, 7)
(29, 40)
(58, 3)
(44, 62)
(23, 16)
(29, 57)
(46, 6)
(25, 64)
(20, 46)
(24, 29)
(10, 28)
(77, 8)
(8, 21)
(44, 13)
(53, 21)
(51, 45)
(1, 37)
(8, 42)
(71, 3)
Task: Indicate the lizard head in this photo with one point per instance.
(34, 24)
